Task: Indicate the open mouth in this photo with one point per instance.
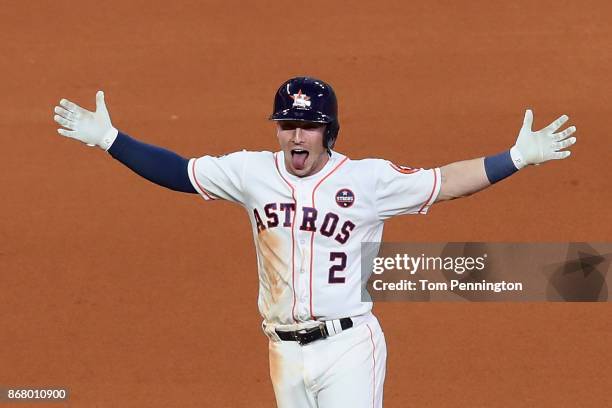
(298, 158)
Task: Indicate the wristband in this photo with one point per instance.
(500, 166)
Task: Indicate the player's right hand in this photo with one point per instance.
(92, 128)
(536, 147)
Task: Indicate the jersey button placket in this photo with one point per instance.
(302, 278)
(303, 259)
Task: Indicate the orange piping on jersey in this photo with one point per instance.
(313, 233)
(435, 183)
(374, 368)
(203, 191)
(292, 237)
(404, 169)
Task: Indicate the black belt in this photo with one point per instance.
(306, 336)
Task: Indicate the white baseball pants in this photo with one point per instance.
(344, 370)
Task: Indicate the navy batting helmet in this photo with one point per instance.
(310, 100)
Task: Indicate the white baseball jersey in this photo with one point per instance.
(308, 230)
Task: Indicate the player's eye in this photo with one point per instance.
(288, 125)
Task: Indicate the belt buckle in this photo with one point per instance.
(302, 336)
(297, 335)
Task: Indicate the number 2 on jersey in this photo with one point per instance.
(339, 267)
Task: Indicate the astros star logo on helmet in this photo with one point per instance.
(300, 100)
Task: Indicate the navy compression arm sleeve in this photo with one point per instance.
(158, 165)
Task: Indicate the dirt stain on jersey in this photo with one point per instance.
(275, 268)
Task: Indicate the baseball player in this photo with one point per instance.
(310, 208)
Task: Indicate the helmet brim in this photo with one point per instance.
(305, 115)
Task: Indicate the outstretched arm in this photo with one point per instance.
(461, 179)
(156, 164)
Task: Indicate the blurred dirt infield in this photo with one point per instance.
(132, 295)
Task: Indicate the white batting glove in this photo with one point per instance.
(538, 147)
(92, 128)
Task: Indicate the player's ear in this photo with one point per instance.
(278, 130)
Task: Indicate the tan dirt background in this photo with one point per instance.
(133, 296)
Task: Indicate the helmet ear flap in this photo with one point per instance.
(331, 134)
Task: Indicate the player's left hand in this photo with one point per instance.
(535, 147)
(91, 128)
